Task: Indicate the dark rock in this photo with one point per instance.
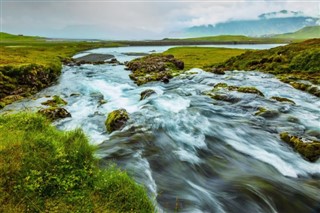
(165, 79)
(93, 59)
(54, 113)
(266, 113)
(147, 93)
(116, 120)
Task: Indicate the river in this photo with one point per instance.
(193, 153)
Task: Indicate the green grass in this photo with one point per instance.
(231, 39)
(304, 33)
(46, 170)
(200, 57)
(290, 63)
(29, 64)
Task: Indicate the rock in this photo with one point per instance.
(145, 94)
(266, 113)
(280, 99)
(220, 85)
(154, 67)
(116, 120)
(179, 64)
(92, 58)
(113, 61)
(56, 101)
(165, 79)
(9, 99)
(54, 113)
(252, 90)
(217, 71)
(224, 97)
(310, 150)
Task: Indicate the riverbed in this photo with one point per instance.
(191, 152)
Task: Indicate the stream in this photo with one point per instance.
(191, 152)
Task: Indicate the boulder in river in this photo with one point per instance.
(55, 101)
(310, 150)
(54, 113)
(145, 94)
(154, 67)
(92, 58)
(116, 120)
(267, 113)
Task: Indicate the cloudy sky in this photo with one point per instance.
(132, 19)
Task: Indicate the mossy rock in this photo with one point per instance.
(147, 93)
(252, 90)
(224, 97)
(220, 85)
(154, 67)
(55, 101)
(281, 99)
(116, 120)
(266, 113)
(54, 113)
(309, 150)
(9, 99)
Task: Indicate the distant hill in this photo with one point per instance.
(259, 27)
(304, 33)
(6, 37)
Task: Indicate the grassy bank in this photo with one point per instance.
(29, 64)
(46, 170)
(199, 57)
(291, 63)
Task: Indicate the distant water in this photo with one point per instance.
(193, 153)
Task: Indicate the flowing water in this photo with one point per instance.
(193, 153)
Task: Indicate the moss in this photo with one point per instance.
(296, 60)
(309, 150)
(266, 113)
(145, 94)
(252, 90)
(9, 99)
(154, 67)
(55, 101)
(54, 113)
(220, 85)
(47, 170)
(116, 120)
(281, 99)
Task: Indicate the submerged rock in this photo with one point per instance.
(266, 113)
(145, 94)
(252, 90)
(54, 113)
(116, 120)
(281, 99)
(310, 150)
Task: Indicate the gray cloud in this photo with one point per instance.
(130, 19)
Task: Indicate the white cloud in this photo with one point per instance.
(112, 19)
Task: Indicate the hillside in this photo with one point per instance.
(6, 37)
(291, 63)
(304, 33)
(259, 27)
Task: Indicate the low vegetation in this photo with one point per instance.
(303, 34)
(200, 57)
(29, 64)
(290, 63)
(47, 170)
